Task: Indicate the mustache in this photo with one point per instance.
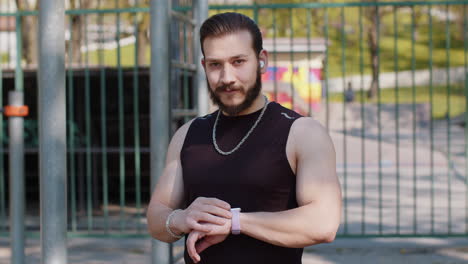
(224, 87)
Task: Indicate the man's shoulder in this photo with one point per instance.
(309, 124)
(311, 136)
(307, 129)
(197, 122)
(181, 133)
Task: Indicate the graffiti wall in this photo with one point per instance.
(300, 86)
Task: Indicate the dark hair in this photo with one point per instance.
(226, 23)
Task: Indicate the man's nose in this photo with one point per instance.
(227, 75)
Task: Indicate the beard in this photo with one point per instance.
(250, 95)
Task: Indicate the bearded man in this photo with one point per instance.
(252, 182)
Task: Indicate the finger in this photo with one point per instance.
(194, 225)
(189, 244)
(216, 202)
(191, 240)
(208, 218)
(215, 210)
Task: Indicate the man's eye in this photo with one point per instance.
(238, 62)
(214, 64)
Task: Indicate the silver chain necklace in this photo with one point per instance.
(244, 138)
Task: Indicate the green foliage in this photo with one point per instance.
(301, 23)
(110, 56)
(343, 27)
(4, 58)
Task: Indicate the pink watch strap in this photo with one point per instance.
(235, 226)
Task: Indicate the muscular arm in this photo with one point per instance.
(316, 220)
(168, 195)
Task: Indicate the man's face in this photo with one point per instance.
(232, 71)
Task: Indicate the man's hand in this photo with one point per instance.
(212, 211)
(199, 241)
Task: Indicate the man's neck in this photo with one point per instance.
(258, 104)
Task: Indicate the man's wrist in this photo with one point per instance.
(235, 221)
(172, 224)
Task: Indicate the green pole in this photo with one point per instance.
(379, 121)
(185, 91)
(309, 86)
(327, 115)
(89, 181)
(345, 156)
(413, 95)
(275, 96)
(121, 125)
(449, 154)
(136, 118)
(71, 131)
(465, 29)
(431, 102)
(19, 56)
(466, 149)
(363, 126)
(103, 87)
(397, 115)
(255, 9)
(9, 9)
(291, 56)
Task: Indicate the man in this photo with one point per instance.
(254, 182)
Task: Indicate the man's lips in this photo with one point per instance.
(228, 90)
(231, 90)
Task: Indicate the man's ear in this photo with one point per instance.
(263, 56)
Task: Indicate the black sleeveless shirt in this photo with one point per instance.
(257, 177)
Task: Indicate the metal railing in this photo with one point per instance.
(401, 154)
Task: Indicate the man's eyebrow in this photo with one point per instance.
(230, 58)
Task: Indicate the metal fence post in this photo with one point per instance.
(17, 195)
(200, 13)
(160, 106)
(16, 159)
(52, 132)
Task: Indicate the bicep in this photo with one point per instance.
(316, 179)
(169, 187)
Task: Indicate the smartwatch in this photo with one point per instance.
(235, 221)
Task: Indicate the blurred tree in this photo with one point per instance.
(462, 22)
(29, 30)
(142, 24)
(374, 15)
(77, 28)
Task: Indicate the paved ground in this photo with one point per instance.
(398, 184)
(349, 251)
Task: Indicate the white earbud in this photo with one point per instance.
(262, 64)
